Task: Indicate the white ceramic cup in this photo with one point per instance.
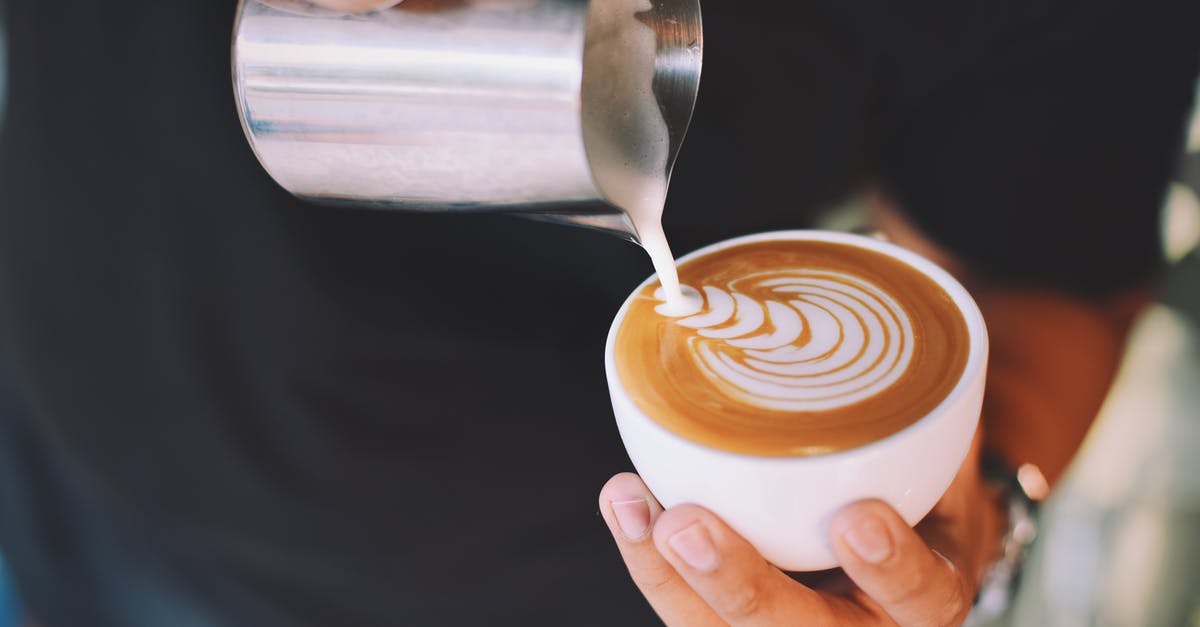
(782, 505)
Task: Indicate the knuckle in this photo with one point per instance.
(955, 608)
(957, 603)
(746, 600)
(903, 592)
(942, 611)
(953, 605)
(654, 580)
(950, 615)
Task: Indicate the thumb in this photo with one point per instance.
(912, 583)
(731, 576)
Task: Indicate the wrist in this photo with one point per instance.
(1015, 519)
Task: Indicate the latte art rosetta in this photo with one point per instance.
(823, 340)
(786, 348)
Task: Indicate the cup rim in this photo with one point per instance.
(977, 351)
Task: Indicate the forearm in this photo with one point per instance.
(1053, 358)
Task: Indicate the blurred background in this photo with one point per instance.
(9, 611)
(1120, 539)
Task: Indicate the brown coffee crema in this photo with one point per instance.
(795, 348)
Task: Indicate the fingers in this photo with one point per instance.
(914, 584)
(730, 575)
(631, 512)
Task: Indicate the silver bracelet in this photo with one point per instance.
(1022, 490)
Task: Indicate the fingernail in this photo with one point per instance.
(694, 546)
(633, 517)
(870, 540)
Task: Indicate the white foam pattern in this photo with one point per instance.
(824, 340)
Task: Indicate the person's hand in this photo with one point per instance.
(356, 6)
(696, 571)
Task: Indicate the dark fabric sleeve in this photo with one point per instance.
(1043, 156)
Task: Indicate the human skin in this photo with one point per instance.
(696, 571)
(1053, 360)
(1040, 404)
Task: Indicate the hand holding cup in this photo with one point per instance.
(817, 400)
(819, 370)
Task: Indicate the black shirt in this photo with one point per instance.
(222, 406)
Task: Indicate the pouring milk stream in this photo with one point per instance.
(627, 138)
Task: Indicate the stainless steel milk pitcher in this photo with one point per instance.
(463, 105)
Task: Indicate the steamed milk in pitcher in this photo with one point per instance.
(627, 139)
